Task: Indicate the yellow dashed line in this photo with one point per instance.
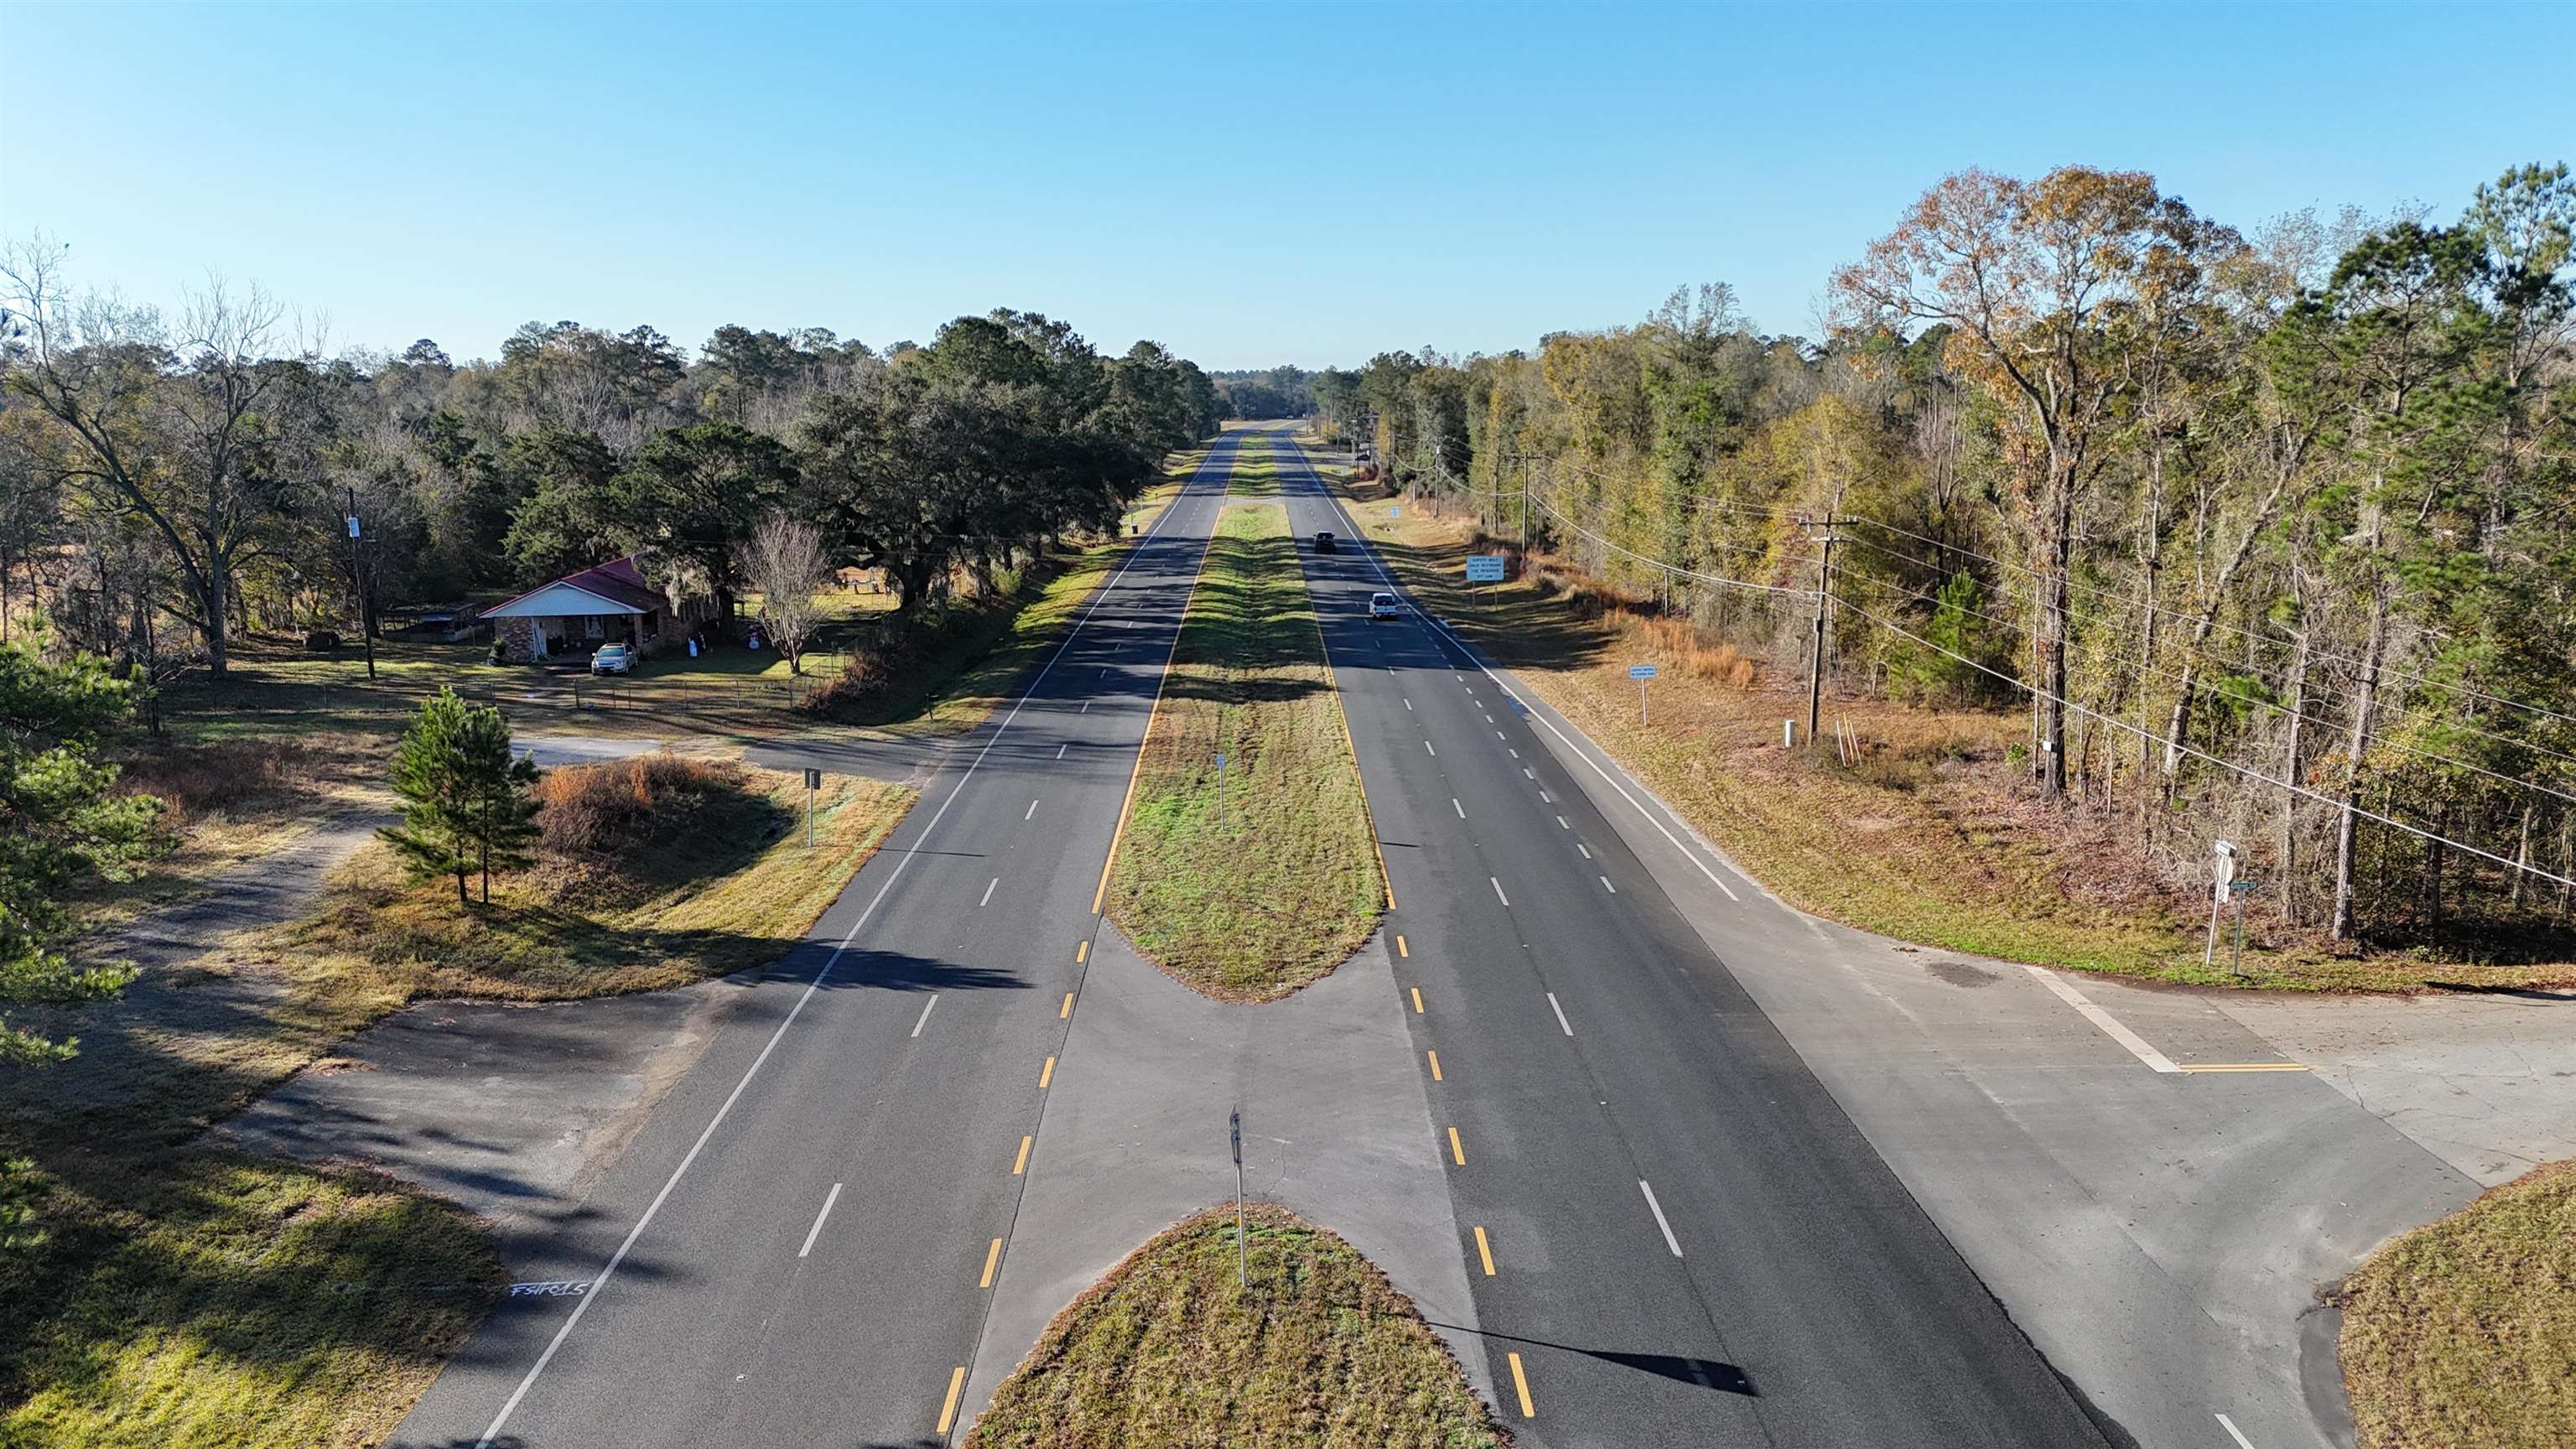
(957, 1385)
(1399, 948)
(1067, 1013)
(1022, 1165)
(993, 1259)
(1046, 1074)
(1520, 1385)
(1455, 1150)
(1082, 953)
(1435, 1065)
(1484, 1250)
(1417, 1001)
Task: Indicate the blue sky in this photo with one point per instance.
(1248, 184)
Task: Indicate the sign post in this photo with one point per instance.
(1641, 673)
(1242, 1256)
(2222, 872)
(813, 782)
(1484, 568)
(2240, 889)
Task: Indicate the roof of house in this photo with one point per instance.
(618, 583)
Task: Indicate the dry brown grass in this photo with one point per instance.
(1168, 1352)
(1932, 833)
(2462, 1333)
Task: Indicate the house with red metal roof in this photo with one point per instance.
(610, 603)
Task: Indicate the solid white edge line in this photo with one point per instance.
(510, 1405)
(2109, 1024)
(1498, 891)
(1564, 1025)
(925, 1013)
(1669, 1240)
(816, 1231)
(2235, 1433)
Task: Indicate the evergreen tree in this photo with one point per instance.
(63, 820)
(465, 801)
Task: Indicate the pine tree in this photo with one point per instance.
(465, 801)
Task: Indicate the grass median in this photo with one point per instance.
(2462, 1333)
(1170, 1352)
(1250, 882)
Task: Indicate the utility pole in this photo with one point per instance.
(1824, 600)
(358, 580)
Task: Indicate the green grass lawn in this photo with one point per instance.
(1284, 884)
(2462, 1333)
(1170, 1352)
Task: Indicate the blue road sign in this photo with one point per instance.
(1484, 568)
(1641, 671)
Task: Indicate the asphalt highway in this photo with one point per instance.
(1672, 1234)
(798, 1243)
(1689, 1243)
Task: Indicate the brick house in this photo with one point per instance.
(608, 604)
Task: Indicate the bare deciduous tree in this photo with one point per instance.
(785, 562)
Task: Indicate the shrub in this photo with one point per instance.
(223, 777)
(593, 812)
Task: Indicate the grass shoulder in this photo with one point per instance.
(1169, 1351)
(1253, 890)
(1932, 840)
(2462, 1333)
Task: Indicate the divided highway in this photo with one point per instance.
(1674, 1235)
(798, 1246)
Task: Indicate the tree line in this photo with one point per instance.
(2274, 530)
(196, 468)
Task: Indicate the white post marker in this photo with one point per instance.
(1220, 792)
(813, 782)
(2222, 870)
(1641, 673)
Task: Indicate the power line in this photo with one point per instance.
(2295, 789)
(2073, 583)
(2207, 659)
